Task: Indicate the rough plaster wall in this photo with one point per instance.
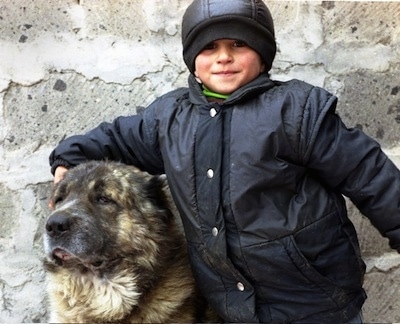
(67, 65)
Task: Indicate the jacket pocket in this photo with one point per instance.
(330, 247)
(290, 286)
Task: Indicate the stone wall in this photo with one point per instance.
(66, 65)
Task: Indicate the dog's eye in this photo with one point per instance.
(97, 264)
(57, 200)
(104, 200)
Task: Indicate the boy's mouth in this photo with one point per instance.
(225, 73)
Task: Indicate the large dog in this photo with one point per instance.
(116, 251)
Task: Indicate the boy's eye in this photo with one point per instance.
(235, 43)
(209, 46)
(239, 44)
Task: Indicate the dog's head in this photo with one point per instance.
(106, 212)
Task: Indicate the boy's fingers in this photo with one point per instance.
(59, 174)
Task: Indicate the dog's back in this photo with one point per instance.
(116, 250)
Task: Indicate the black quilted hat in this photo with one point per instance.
(249, 21)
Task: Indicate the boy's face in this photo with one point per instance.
(226, 64)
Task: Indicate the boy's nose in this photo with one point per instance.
(224, 55)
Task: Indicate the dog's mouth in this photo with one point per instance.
(62, 257)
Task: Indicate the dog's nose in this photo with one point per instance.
(57, 224)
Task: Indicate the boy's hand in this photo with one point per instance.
(59, 174)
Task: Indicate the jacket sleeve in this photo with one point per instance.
(352, 163)
(131, 140)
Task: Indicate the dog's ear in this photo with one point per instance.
(156, 190)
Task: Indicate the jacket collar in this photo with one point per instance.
(259, 85)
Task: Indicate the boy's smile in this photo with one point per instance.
(225, 65)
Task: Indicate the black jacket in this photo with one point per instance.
(259, 181)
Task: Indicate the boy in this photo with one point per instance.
(257, 169)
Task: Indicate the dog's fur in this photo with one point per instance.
(116, 251)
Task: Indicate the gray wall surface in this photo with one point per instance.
(67, 65)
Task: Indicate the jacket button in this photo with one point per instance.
(213, 112)
(210, 173)
(214, 231)
(240, 286)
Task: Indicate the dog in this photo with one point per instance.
(116, 252)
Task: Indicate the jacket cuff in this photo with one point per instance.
(57, 163)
